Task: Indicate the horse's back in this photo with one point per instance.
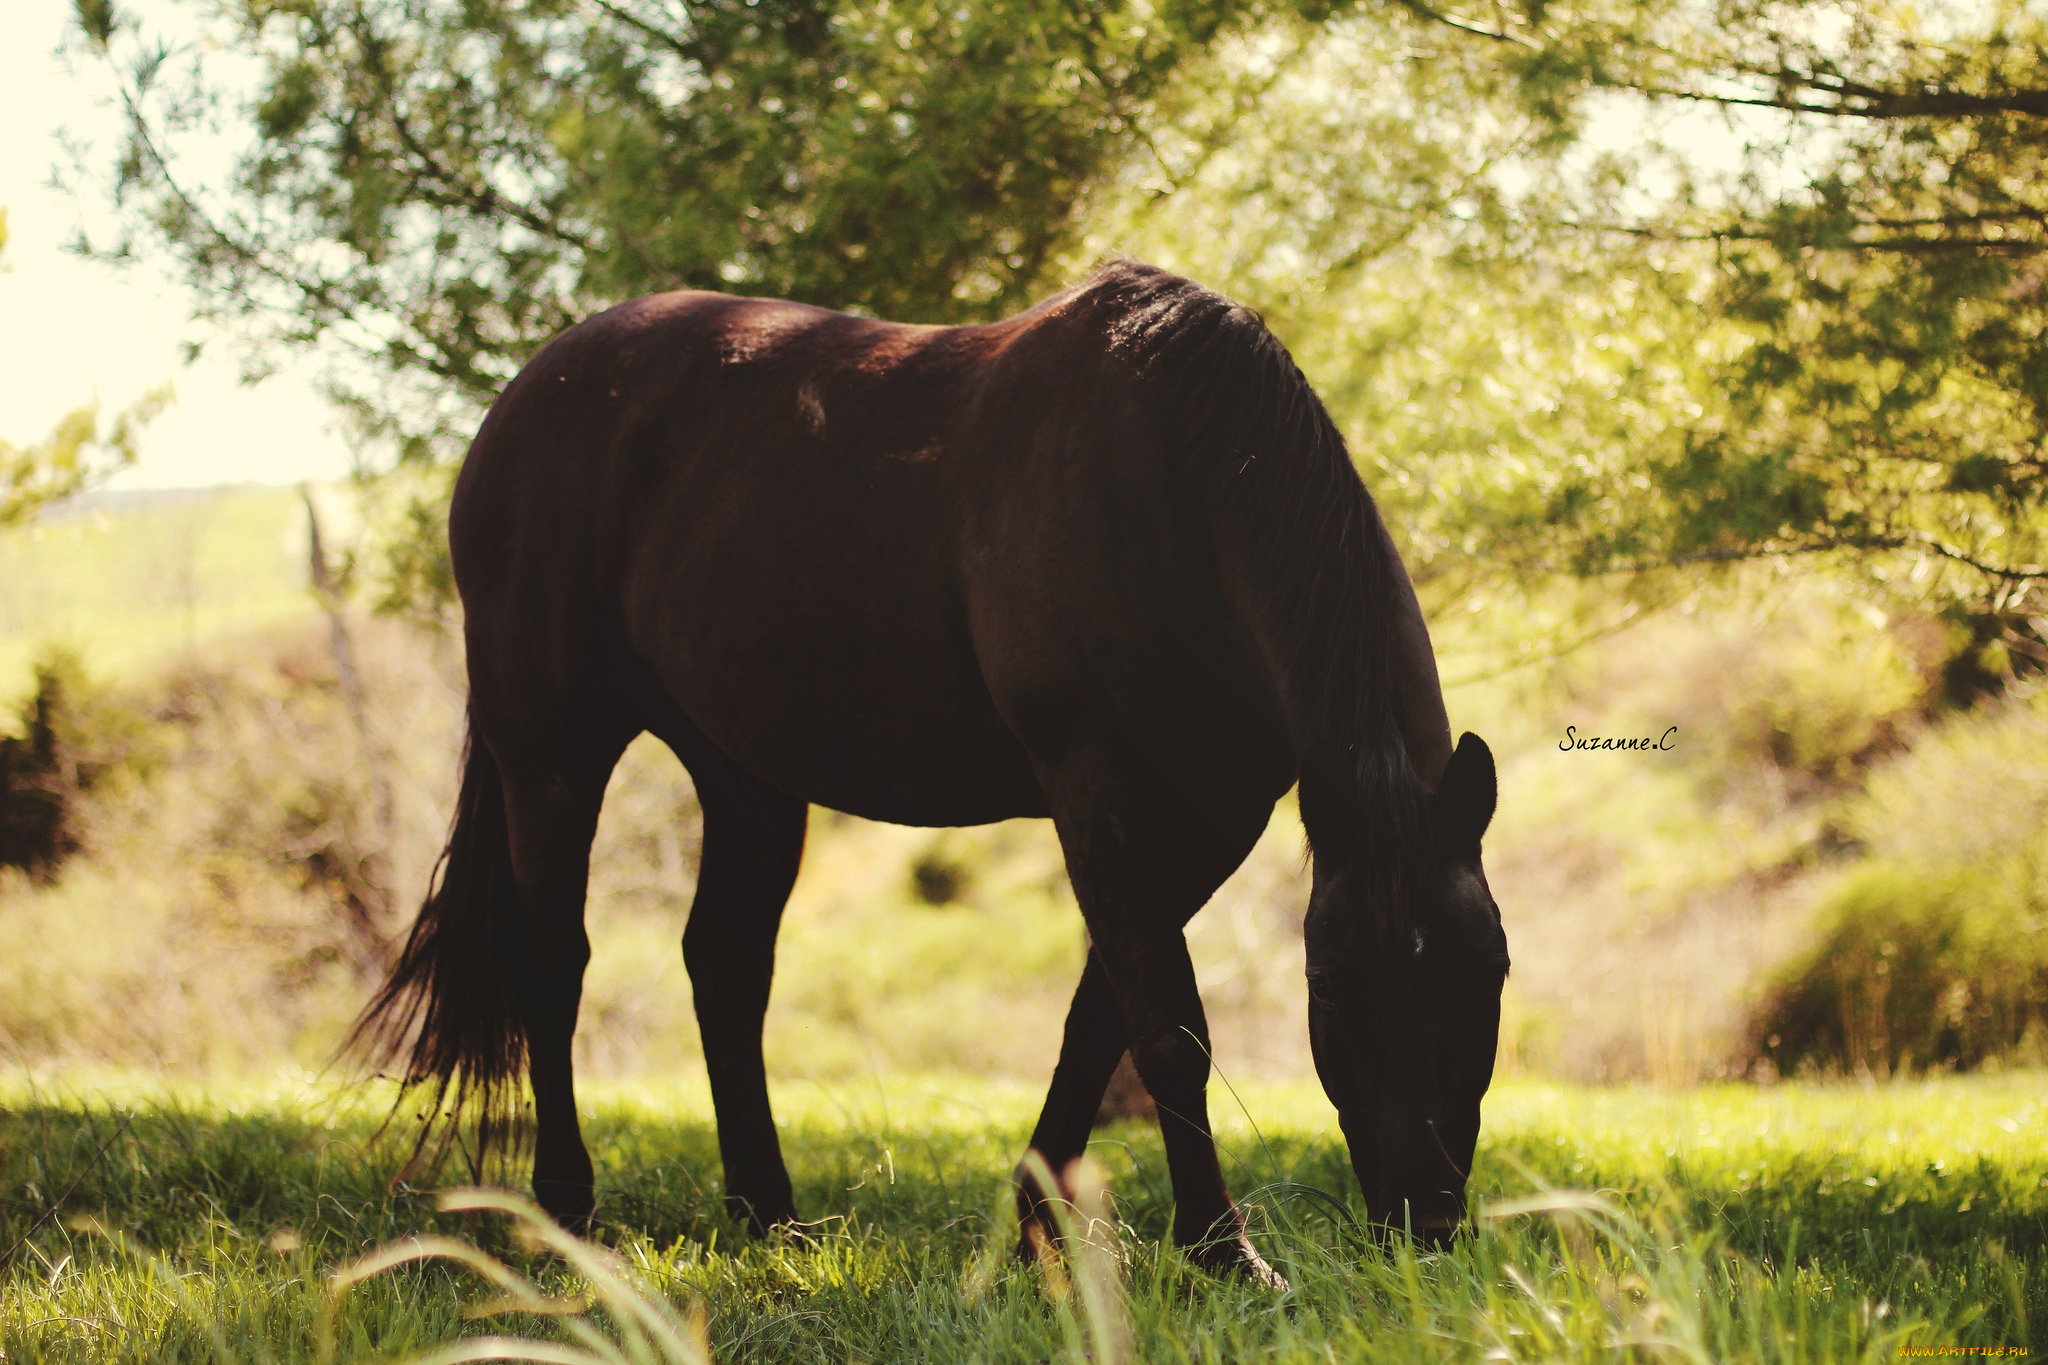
(753, 509)
(876, 564)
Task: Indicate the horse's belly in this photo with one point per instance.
(951, 779)
(849, 708)
(937, 767)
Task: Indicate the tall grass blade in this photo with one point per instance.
(1079, 1205)
(650, 1330)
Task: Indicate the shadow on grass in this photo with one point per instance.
(257, 1206)
(183, 1176)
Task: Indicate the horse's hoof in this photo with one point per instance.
(1236, 1258)
(574, 1206)
(788, 1230)
(764, 1219)
(1035, 1242)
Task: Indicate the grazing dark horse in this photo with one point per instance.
(1106, 561)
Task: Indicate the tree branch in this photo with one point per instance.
(1436, 16)
(2010, 573)
(243, 254)
(1850, 100)
(1650, 233)
(688, 49)
(481, 201)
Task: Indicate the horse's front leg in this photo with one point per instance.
(1089, 1052)
(1143, 859)
(1169, 1043)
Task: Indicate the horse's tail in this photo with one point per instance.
(446, 1016)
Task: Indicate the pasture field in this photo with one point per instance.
(128, 582)
(1786, 1223)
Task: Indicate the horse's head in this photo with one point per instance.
(1404, 1032)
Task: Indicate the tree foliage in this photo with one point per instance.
(1612, 287)
(439, 185)
(1871, 270)
(1388, 198)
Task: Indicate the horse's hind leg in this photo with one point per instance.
(551, 808)
(753, 842)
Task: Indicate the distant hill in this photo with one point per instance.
(132, 579)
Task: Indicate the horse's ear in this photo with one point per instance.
(1466, 797)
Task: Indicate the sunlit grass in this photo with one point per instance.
(1791, 1223)
(133, 586)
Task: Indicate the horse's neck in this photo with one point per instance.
(1417, 693)
(1320, 674)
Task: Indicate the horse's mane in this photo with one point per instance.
(1276, 467)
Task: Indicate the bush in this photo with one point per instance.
(73, 738)
(1933, 949)
(939, 876)
(1828, 698)
(230, 898)
(1910, 971)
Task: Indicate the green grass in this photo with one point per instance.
(130, 587)
(1792, 1223)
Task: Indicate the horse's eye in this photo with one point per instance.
(1319, 988)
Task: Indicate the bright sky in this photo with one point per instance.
(71, 329)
